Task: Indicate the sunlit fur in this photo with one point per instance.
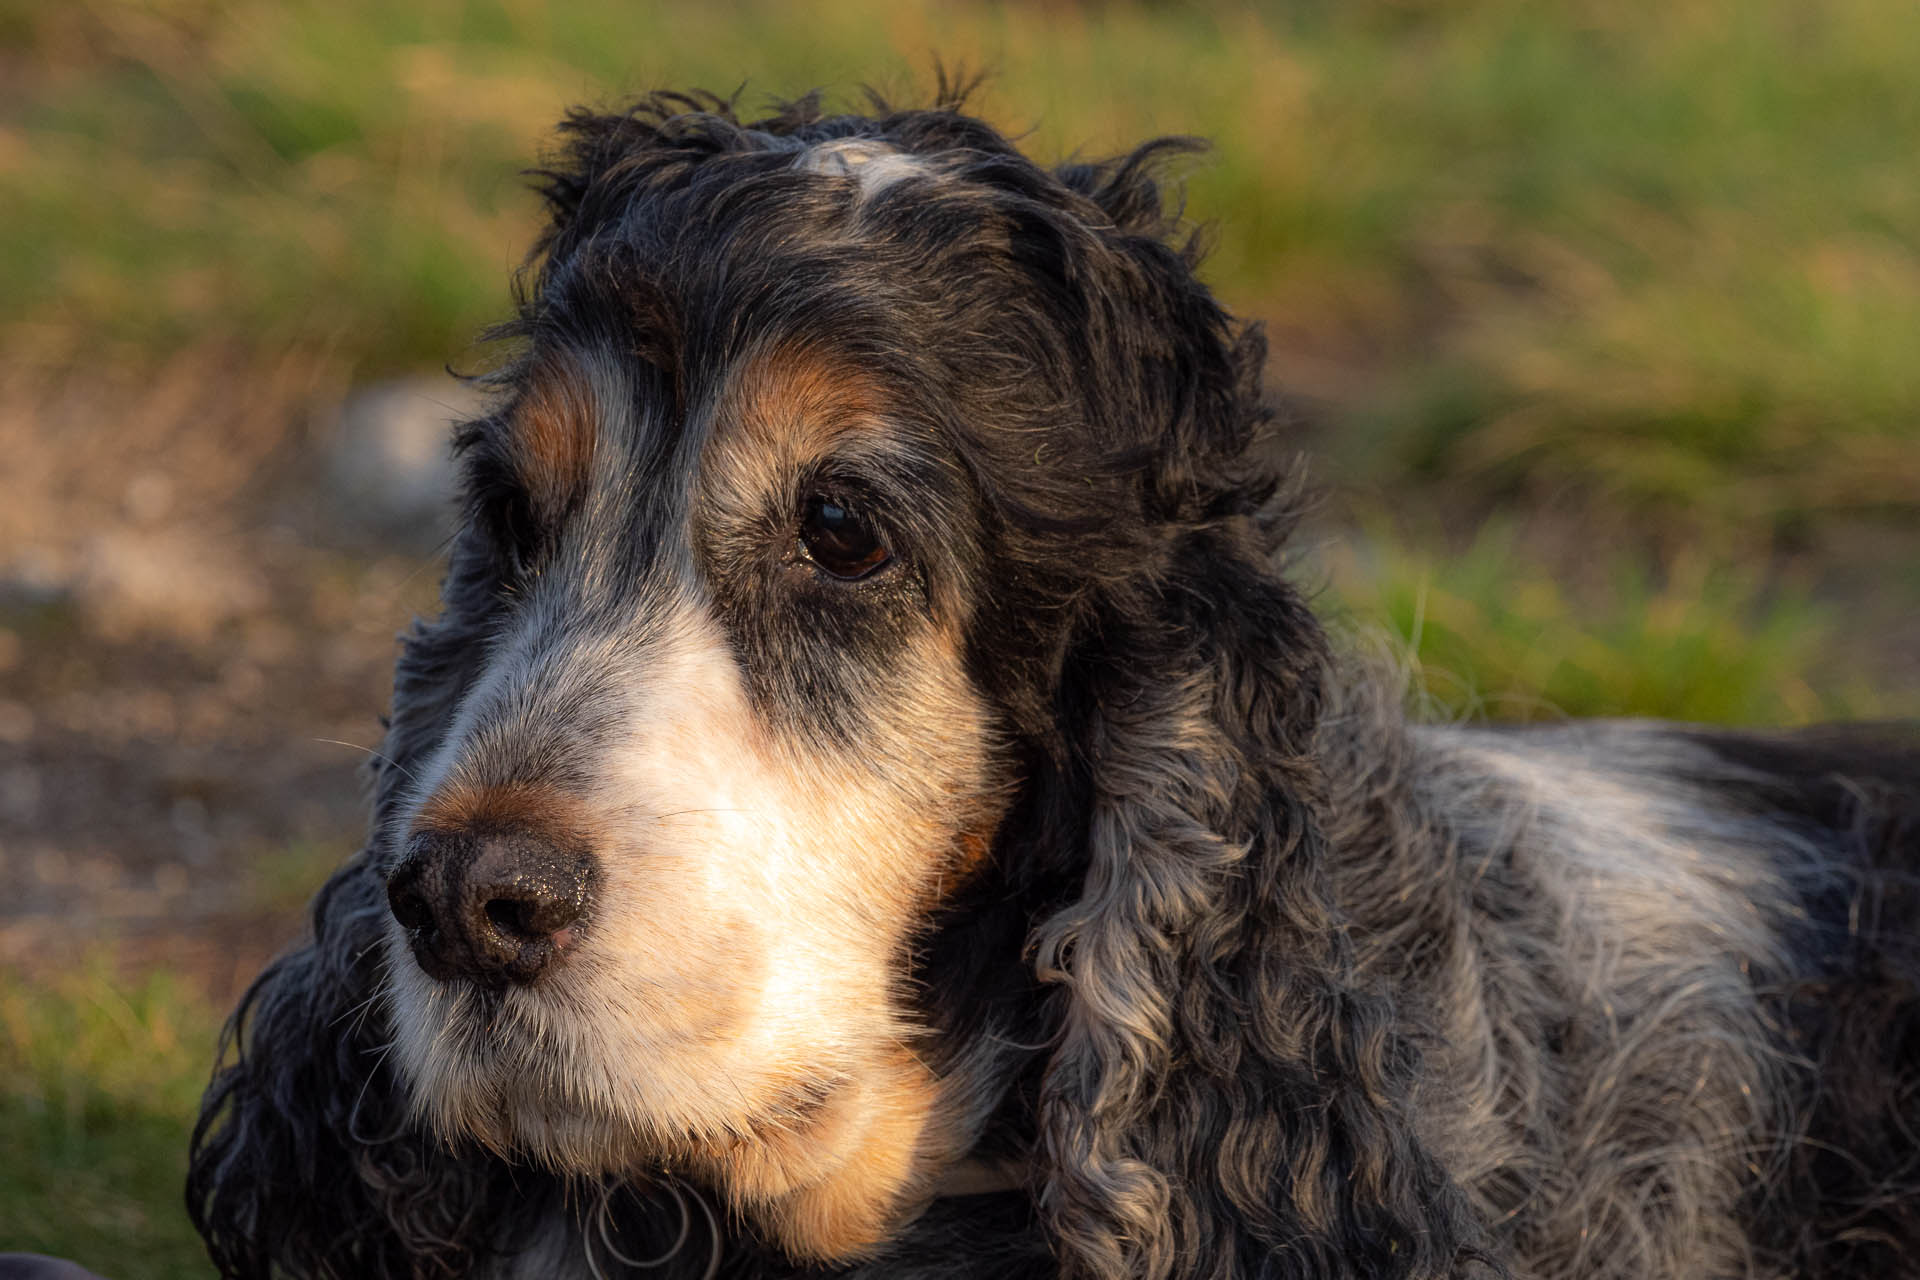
(1055, 902)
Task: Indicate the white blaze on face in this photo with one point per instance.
(733, 1001)
(732, 845)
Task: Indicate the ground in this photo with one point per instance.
(196, 643)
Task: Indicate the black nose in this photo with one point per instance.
(494, 906)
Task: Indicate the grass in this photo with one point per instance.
(1490, 633)
(99, 1081)
(1669, 256)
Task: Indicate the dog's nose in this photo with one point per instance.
(493, 906)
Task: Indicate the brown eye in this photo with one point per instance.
(839, 540)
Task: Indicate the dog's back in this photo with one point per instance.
(1675, 988)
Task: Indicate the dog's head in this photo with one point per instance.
(871, 521)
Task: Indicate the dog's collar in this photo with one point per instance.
(979, 1177)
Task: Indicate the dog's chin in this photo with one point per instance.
(844, 1171)
(828, 1169)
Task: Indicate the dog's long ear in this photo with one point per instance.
(304, 1161)
(1225, 1097)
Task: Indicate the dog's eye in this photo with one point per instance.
(840, 540)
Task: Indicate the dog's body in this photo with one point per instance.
(871, 804)
(1659, 964)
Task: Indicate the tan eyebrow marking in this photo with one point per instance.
(553, 437)
(781, 410)
(801, 398)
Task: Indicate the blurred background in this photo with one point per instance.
(1597, 323)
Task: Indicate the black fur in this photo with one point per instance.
(1242, 929)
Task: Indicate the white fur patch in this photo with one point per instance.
(1645, 922)
(875, 166)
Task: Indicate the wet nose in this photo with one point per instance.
(494, 907)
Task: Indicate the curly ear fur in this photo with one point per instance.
(1225, 1098)
(304, 1161)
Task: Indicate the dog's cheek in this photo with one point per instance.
(771, 841)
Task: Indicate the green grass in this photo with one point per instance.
(99, 1082)
(100, 1079)
(1669, 255)
(1493, 633)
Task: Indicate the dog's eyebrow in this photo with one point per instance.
(781, 410)
(797, 399)
(552, 433)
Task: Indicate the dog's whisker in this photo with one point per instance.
(682, 813)
(377, 755)
(357, 1012)
(353, 1116)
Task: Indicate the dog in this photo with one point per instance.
(872, 805)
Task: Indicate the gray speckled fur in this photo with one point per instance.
(1597, 931)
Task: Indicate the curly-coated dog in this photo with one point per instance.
(872, 805)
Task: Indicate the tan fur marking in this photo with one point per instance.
(972, 851)
(554, 438)
(881, 1140)
(973, 844)
(460, 806)
(810, 399)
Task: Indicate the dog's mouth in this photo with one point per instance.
(828, 1141)
(518, 1096)
(829, 1164)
